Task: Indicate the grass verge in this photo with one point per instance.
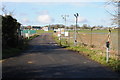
(91, 54)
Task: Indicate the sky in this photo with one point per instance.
(48, 13)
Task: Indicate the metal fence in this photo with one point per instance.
(97, 40)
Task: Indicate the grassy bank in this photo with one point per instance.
(91, 54)
(10, 52)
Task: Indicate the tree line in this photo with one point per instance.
(84, 26)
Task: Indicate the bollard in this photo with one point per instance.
(107, 55)
(107, 51)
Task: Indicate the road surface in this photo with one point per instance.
(45, 59)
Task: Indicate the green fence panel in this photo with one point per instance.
(31, 31)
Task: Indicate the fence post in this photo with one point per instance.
(108, 47)
(107, 55)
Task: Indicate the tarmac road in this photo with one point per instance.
(44, 59)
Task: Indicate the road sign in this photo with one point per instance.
(66, 33)
(62, 30)
(59, 35)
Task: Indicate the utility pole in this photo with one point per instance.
(65, 18)
(75, 37)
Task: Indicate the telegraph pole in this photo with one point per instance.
(65, 18)
(75, 37)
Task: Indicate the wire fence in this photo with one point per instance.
(96, 41)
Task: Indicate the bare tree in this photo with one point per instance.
(112, 7)
(6, 12)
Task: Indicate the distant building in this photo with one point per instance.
(45, 28)
(29, 27)
(36, 27)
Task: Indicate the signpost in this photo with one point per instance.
(66, 34)
(62, 30)
(107, 51)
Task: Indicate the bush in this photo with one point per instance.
(10, 31)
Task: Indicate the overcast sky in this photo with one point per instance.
(45, 13)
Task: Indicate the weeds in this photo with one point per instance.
(8, 52)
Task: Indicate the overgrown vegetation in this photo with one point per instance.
(10, 32)
(12, 41)
(9, 52)
(92, 54)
